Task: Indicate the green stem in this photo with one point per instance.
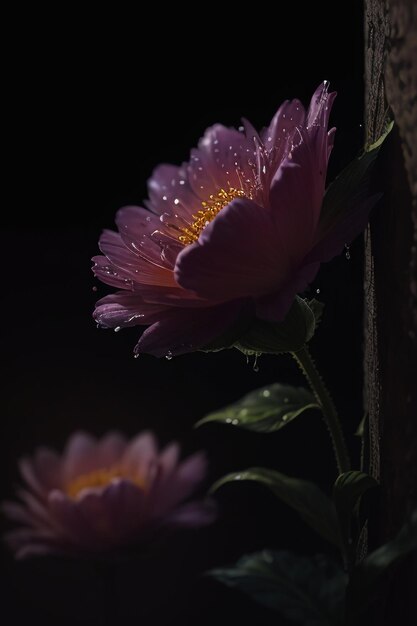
(328, 408)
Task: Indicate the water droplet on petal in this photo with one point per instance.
(94, 288)
(136, 356)
(168, 356)
(116, 330)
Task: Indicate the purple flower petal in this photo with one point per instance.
(225, 159)
(48, 467)
(168, 459)
(111, 448)
(80, 456)
(277, 136)
(179, 485)
(120, 492)
(126, 510)
(114, 513)
(17, 513)
(137, 227)
(74, 527)
(17, 539)
(320, 106)
(170, 192)
(239, 254)
(28, 473)
(193, 515)
(140, 456)
(274, 307)
(182, 330)
(108, 273)
(38, 549)
(297, 192)
(123, 309)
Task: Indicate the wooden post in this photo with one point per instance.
(391, 284)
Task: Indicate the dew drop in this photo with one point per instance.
(168, 356)
(243, 412)
(136, 356)
(228, 420)
(284, 418)
(94, 288)
(235, 422)
(317, 290)
(255, 364)
(116, 330)
(238, 477)
(347, 253)
(265, 393)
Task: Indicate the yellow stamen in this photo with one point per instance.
(101, 478)
(209, 210)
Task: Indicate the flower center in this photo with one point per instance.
(210, 209)
(101, 478)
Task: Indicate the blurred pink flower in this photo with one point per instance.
(103, 494)
(237, 228)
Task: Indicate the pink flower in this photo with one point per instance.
(236, 229)
(103, 494)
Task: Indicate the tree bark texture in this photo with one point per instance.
(391, 285)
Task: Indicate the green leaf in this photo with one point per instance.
(265, 410)
(351, 187)
(360, 431)
(314, 507)
(307, 590)
(378, 143)
(348, 489)
(370, 573)
(295, 330)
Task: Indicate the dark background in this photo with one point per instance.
(92, 107)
